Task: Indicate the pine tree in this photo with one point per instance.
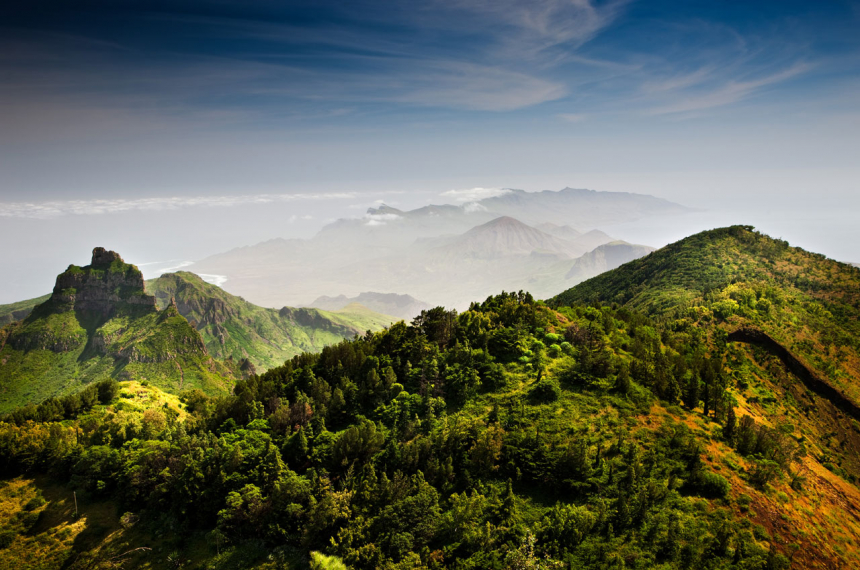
(691, 395)
(622, 381)
(508, 510)
(731, 426)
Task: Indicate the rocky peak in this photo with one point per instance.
(106, 287)
(103, 258)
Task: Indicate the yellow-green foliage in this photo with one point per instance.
(323, 562)
(731, 277)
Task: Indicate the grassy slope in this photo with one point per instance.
(17, 311)
(233, 327)
(735, 276)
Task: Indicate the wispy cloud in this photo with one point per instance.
(467, 55)
(380, 219)
(572, 117)
(474, 194)
(548, 30)
(730, 92)
(56, 208)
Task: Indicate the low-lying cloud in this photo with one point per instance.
(474, 194)
(57, 208)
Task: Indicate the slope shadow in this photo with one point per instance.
(817, 385)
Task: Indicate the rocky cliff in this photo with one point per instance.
(100, 323)
(105, 288)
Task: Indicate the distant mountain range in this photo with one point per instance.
(445, 255)
(579, 207)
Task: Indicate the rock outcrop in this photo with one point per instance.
(105, 288)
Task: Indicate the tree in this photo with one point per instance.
(622, 380)
(296, 450)
(525, 558)
(107, 390)
(692, 391)
(731, 426)
(509, 514)
(357, 444)
(546, 390)
(244, 513)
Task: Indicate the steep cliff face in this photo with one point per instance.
(84, 298)
(105, 288)
(99, 322)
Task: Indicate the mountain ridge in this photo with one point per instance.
(737, 277)
(346, 256)
(99, 323)
(233, 327)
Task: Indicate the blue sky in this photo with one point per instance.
(141, 80)
(166, 105)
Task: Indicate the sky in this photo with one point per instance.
(173, 130)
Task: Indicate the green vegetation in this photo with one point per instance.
(234, 328)
(99, 324)
(513, 435)
(17, 311)
(733, 277)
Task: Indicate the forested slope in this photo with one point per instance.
(508, 436)
(609, 430)
(735, 277)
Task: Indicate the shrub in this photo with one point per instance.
(547, 390)
(323, 562)
(34, 503)
(711, 484)
(7, 537)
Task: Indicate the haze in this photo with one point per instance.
(171, 132)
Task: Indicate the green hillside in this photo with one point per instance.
(513, 435)
(98, 324)
(736, 277)
(234, 328)
(18, 311)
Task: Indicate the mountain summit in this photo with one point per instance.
(100, 323)
(505, 236)
(105, 288)
(741, 280)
